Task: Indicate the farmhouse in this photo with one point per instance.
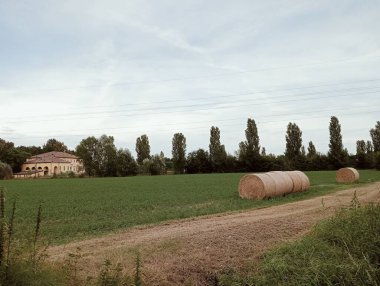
(48, 164)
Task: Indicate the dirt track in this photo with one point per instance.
(195, 249)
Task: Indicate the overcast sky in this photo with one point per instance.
(73, 69)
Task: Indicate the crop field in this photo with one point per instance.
(81, 208)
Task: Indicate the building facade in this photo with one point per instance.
(48, 164)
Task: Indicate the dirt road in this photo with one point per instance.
(195, 249)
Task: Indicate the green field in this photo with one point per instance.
(81, 208)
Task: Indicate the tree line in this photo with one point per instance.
(101, 157)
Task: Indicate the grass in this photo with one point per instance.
(81, 208)
(343, 250)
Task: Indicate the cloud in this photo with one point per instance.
(168, 66)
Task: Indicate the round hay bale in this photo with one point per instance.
(305, 180)
(347, 175)
(286, 186)
(297, 181)
(256, 186)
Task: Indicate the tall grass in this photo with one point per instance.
(343, 250)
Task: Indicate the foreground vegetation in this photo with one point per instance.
(343, 250)
(81, 208)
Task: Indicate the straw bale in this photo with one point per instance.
(305, 180)
(297, 181)
(347, 175)
(286, 185)
(256, 186)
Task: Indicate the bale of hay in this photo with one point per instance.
(305, 180)
(285, 183)
(347, 175)
(256, 186)
(297, 181)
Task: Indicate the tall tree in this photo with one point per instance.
(13, 156)
(179, 153)
(337, 155)
(249, 150)
(294, 152)
(218, 153)
(142, 148)
(107, 156)
(375, 135)
(88, 151)
(370, 154)
(311, 150)
(252, 136)
(54, 145)
(361, 156)
(6, 151)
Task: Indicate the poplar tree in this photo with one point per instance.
(142, 148)
(179, 153)
(375, 135)
(311, 150)
(337, 155)
(218, 153)
(294, 151)
(361, 156)
(249, 150)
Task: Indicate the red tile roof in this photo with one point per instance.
(51, 157)
(57, 155)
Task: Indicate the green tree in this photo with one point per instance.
(370, 154)
(218, 154)
(54, 145)
(294, 152)
(88, 151)
(107, 156)
(155, 165)
(179, 153)
(142, 148)
(13, 156)
(125, 163)
(249, 150)
(375, 135)
(337, 155)
(6, 151)
(311, 150)
(361, 154)
(198, 162)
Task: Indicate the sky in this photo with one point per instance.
(73, 69)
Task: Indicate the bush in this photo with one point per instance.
(377, 160)
(23, 265)
(5, 171)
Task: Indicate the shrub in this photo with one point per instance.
(5, 171)
(24, 265)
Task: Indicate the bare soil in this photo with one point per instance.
(194, 250)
